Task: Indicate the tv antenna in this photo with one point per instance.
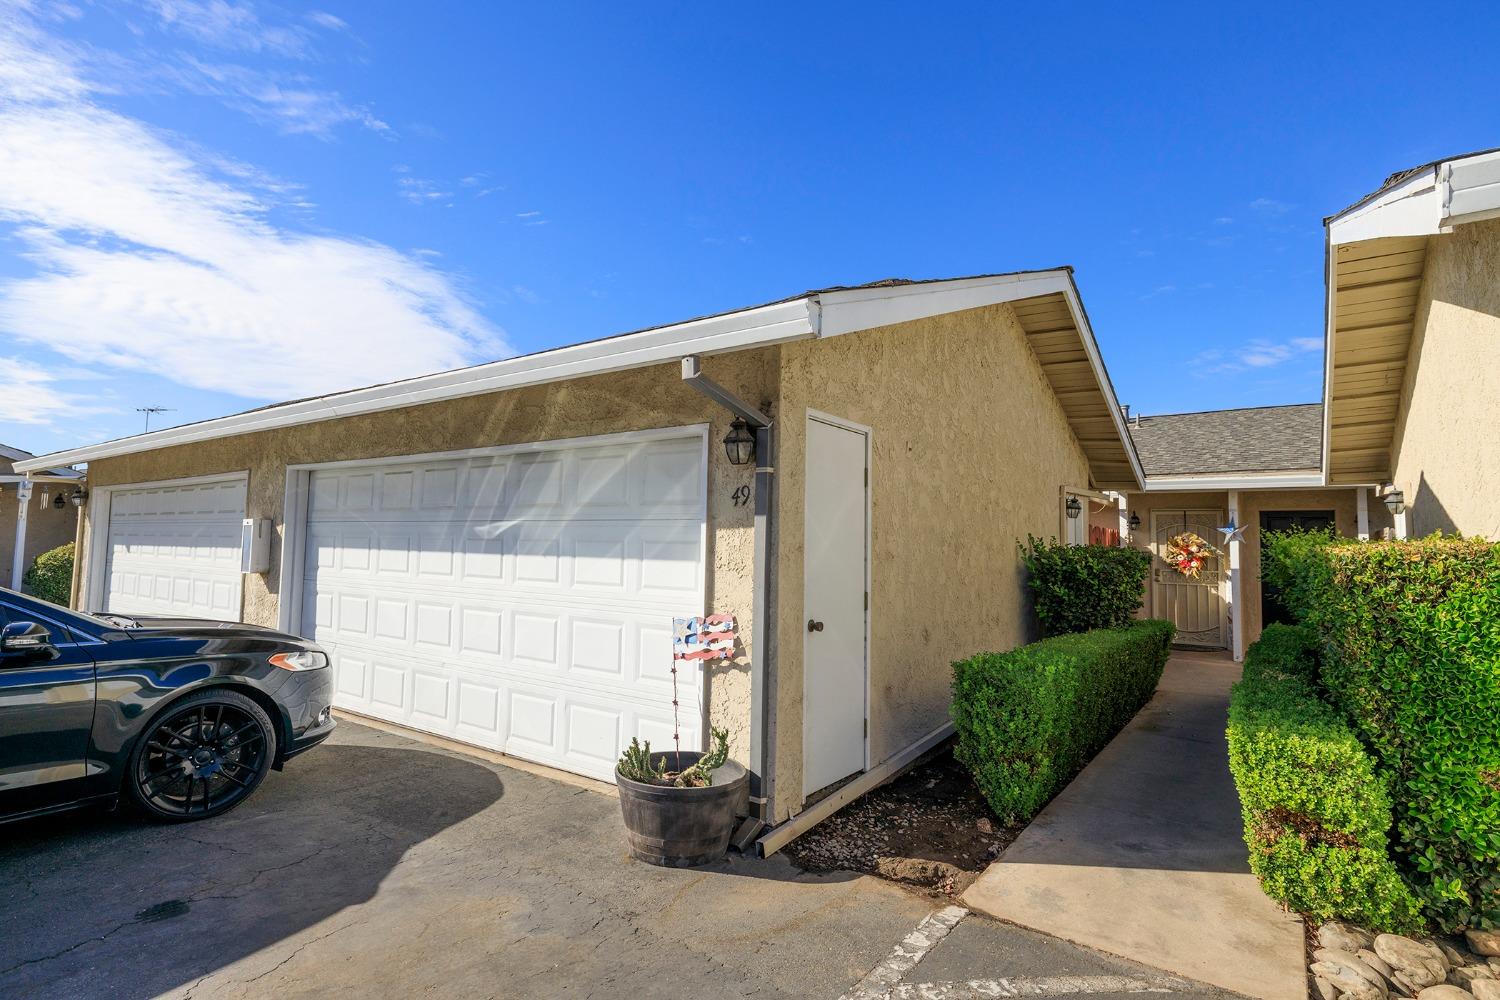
(149, 410)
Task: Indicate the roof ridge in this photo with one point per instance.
(1229, 409)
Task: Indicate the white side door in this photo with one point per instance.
(835, 561)
(174, 549)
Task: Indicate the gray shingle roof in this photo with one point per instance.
(1257, 439)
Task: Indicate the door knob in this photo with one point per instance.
(813, 625)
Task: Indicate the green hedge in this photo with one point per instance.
(1029, 719)
(1410, 635)
(1076, 588)
(51, 575)
(1316, 812)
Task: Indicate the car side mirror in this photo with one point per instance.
(25, 639)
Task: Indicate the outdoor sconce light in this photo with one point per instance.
(59, 502)
(79, 497)
(739, 443)
(1395, 501)
(1135, 521)
(1074, 508)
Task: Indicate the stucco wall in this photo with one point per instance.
(1341, 501)
(970, 447)
(1446, 452)
(46, 528)
(635, 400)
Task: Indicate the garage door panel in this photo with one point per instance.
(175, 549)
(520, 602)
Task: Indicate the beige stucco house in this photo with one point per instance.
(496, 555)
(1412, 383)
(35, 515)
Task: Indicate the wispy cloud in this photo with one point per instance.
(420, 191)
(1257, 354)
(1270, 206)
(30, 394)
(292, 103)
(149, 256)
(229, 25)
(1159, 291)
(531, 218)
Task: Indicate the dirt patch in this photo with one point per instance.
(929, 829)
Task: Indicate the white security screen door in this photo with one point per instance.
(175, 550)
(1195, 604)
(834, 647)
(520, 601)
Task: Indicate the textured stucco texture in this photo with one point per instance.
(969, 450)
(1446, 453)
(604, 404)
(46, 527)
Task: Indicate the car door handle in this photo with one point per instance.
(813, 625)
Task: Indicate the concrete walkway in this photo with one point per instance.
(1142, 856)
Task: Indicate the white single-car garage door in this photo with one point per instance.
(520, 600)
(175, 549)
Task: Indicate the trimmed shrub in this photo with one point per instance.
(1316, 812)
(1029, 719)
(1076, 588)
(51, 575)
(1410, 637)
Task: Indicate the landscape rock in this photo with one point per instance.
(1353, 979)
(1326, 990)
(1344, 937)
(1465, 975)
(1454, 956)
(1444, 992)
(1374, 961)
(1484, 942)
(1486, 989)
(1415, 966)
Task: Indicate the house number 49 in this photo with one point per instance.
(741, 496)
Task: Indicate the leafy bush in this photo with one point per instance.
(1316, 812)
(1410, 635)
(1076, 588)
(51, 575)
(1029, 719)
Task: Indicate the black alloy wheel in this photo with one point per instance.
(203, 756)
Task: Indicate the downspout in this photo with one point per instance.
(762, 630)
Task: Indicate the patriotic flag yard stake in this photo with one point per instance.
(710, 638)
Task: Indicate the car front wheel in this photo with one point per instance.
(201, 757)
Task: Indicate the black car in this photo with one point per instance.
(182, 717)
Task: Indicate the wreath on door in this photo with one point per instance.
(1187, 553)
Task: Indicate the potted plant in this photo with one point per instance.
(680, 806)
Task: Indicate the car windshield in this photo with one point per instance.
(103, 620)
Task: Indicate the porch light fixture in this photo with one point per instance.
(1135, 521)
(739, 443)
(59, 502)
(1395, 501)
(1074, 508)
(79, 498)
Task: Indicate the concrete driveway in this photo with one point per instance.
(386, 866)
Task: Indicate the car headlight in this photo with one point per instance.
(304, 659)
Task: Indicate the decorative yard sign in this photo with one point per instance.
(707, 638)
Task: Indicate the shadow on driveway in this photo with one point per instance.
(106, 905)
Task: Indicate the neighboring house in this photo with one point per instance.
(42, 522)
(1261, 467)
(496, 554)
(1412, 381)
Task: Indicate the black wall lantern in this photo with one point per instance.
(1135, 521)
(739, 443)
(1395, 501)
(59, 502)
(1074, 507)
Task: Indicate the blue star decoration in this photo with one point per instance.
(1232, 532)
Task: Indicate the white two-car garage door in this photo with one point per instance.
(174, 549)
(520, 600)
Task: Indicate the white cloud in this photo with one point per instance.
(229, 25)
(290, 103)
(29, 394)
(419, 191)
(1270, 206)
(150, 258)
(1258, 354)
(331, 22)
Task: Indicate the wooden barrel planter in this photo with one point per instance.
(683, 827)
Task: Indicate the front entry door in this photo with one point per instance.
(1195, 605)
(835, 560)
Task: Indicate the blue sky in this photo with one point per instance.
(212, 204)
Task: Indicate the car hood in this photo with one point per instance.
(193, 627)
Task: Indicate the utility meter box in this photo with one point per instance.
(255, 545)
